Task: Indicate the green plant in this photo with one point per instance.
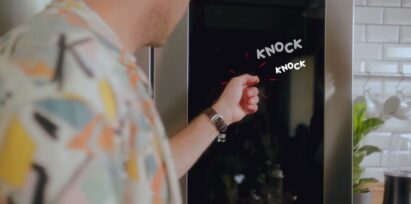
(362, 127)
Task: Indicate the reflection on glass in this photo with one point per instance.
(275, 155)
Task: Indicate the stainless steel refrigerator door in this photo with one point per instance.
(171, 94)
(338, 108)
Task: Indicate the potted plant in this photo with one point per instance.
(362, 127)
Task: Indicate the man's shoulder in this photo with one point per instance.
(42, 32)
(49, 51)
(48, 42)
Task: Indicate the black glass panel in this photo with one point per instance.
(275, 155)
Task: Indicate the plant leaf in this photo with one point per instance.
(364, 181)
(365, 128)
(369, 149)
(359, 115)
(362, 127)
(357, 139)
(357, 172)
(361, 190)
(359, 186)
(371, 124)
(358, 157)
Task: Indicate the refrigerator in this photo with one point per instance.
(297, 147)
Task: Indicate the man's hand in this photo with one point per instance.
(238, 99)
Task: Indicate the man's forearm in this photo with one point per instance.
(188, 145)
(238, 99)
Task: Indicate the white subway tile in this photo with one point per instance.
(406, 3)
(372, 172)
(382, 67)
(383, 33)
(385, 162)
(406, 67)
(357, 89)
(406, 34)
(378, 139)
(374, 84)
(394, 3)
(368, 51)
(390, 86)
(360, 2)
(396, 125)
(397, 16)
(403, 142)
(358, 66)
(395, 159)
(359, 33)
(397, 52)
(406, 135)
(366, 15)
(373, 160)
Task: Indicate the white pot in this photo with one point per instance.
(362, 198)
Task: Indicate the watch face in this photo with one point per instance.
(220, 123)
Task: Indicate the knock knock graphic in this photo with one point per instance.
(279, 47)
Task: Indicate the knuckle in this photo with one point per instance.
(254, 90)
(237, 78)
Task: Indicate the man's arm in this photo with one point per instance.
(239, 99)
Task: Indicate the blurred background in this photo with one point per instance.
(14, 12)
(382, 56)
(382, 71)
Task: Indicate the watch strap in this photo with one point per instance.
(218, 122)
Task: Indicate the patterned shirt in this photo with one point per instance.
(77, 124)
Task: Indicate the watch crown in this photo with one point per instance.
(221, 138)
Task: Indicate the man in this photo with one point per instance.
(77, 124)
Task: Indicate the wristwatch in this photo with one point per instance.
(218, 122)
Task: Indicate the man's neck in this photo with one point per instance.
(123, 20)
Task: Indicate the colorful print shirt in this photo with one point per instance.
(77, 124)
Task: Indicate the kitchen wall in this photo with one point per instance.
(383, 48)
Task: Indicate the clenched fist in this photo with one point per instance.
(239, 98)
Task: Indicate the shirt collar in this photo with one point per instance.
(95, 23)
